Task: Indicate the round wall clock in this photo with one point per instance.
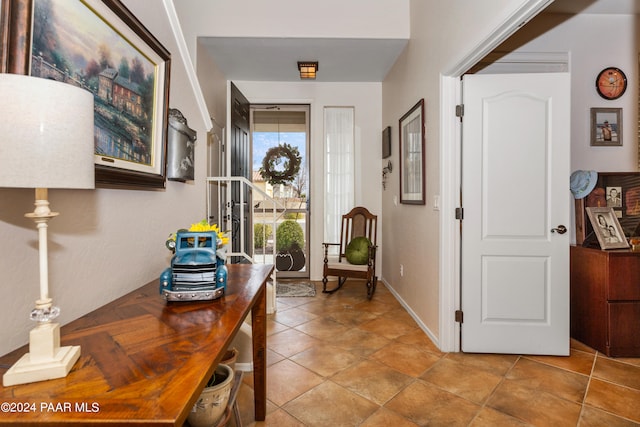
(611, 83)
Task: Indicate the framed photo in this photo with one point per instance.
(386, 142)
(614, 196)
(606, 126)
(101, 46)
(607, 228)
(412, 157)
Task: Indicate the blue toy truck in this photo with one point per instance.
(198, 271)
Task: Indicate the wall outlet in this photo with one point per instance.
(401, 270)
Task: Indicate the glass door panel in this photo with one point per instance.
(280, 141)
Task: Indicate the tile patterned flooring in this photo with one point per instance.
(341, 360)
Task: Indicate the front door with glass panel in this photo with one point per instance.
(280, 142)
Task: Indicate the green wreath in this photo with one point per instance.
(274, 157)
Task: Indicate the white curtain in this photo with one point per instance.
(339, 196)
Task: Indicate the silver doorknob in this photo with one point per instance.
(561, 229)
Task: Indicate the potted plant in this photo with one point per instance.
(289, 243)
(211, 404)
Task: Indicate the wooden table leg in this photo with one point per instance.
(259, 340)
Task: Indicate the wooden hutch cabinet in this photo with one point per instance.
(605, 284)
(605, 300)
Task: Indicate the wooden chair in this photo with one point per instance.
(358, 222)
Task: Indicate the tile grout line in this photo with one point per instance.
(586, 390)
(348, 304)
(493, 392)
(584, 403)
(556, 366)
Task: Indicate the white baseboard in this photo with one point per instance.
(244, 367)
(413, 315)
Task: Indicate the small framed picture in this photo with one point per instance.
(606, 126)
(614, 197)
(386, 142)
(607, 228)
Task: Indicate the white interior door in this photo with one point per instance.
(515, 194)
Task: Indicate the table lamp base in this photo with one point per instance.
(46, 360)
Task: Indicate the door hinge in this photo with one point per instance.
(459, 213)
(459, 316)
(460, 110)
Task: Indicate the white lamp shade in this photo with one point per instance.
(46, 134)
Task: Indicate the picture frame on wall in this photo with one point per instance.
(412, 155)
(4, 34)
(607, 228)
(606, 127)
(102, 47)
(386, 142)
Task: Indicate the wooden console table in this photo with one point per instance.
(145, 360)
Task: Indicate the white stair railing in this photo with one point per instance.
(266, 211)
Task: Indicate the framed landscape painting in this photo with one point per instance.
(100, 46)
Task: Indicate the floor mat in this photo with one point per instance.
(295, 289)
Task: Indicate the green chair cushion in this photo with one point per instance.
(357, 251)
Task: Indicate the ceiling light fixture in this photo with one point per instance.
(308, 70)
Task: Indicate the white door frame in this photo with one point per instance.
(451, 169)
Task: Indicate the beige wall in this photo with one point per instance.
(365, 98)
(332, 18)
(442, 34)
(292, 18)
(589, 53)
(106, 242)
